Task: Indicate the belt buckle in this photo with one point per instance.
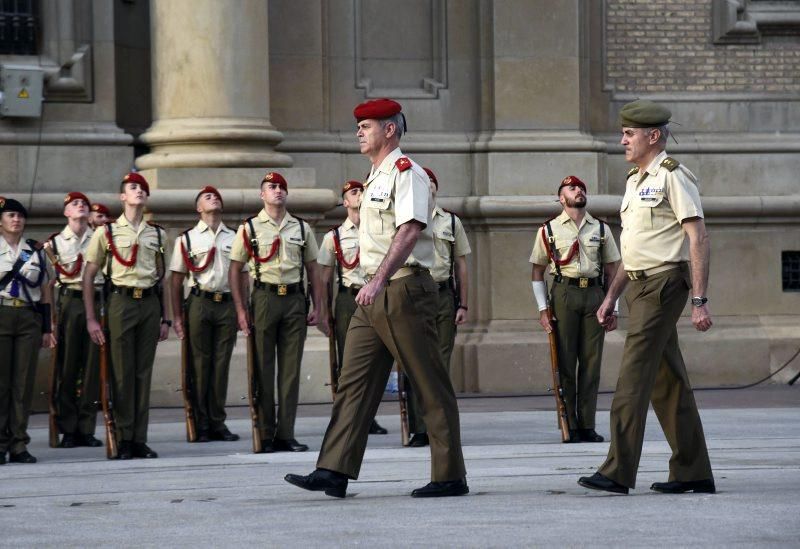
(19, 302)
(282, 289)
(634, 275)
(137, 293)
(217, 297)
(583, 282)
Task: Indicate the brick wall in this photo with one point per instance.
(666, 46)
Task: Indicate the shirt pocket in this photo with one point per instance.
(294, 249)
(377, 214)
(648, 207)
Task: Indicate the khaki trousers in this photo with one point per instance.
(280, 325)
(399, 325)
(653, 371)
(344, 309)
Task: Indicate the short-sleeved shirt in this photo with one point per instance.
(150, 240)
(655, 203)
(587, 263)
(284, 267)
(201, 240)
(391, 198)
(30, 270)
(348, 240)
(69, 249)
(444, 238)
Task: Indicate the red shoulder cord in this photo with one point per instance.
(340, 256)
(190, 263)
(134, 251)
(560, 262)
(74, 272)
(253, 254)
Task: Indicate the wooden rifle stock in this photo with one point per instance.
(333, 354)
(402, 397)
(558, 391)
(252, 389)
(187, 383)
(105, 391)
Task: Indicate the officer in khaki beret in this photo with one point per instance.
(451, 248)
(339, 250)
(25, 327)
(278, 249)
(395, 319)
(662, 232)
(78, 357)
(581, 253)
(130, 252)
(202, 255)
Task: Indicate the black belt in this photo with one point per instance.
(280, 289)
(216, 297)
(69, 292)
(135, 293)
(350, 289)
(579, 282)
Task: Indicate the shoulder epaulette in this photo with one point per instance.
(157, 226)
(55, 234)
(632, 171)
(34, 244)
(670, 163)
(403, 163)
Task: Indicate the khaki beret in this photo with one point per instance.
(643, 114)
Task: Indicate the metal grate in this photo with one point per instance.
(19, 27)
(790, 268)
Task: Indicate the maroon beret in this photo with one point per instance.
(353, 184)
(377, 109)
(571, 180)
(209, 189)
(101, 208)
(76, 196)
(432, 177)
(275, 177)
(135, 177)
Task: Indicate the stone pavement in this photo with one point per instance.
(522, 482)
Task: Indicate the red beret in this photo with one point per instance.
(135, 177)
(275, 177)
(432, 177)
(377, 109)
(101, 208)
(352, 185)
(571, 180)
(209, 189)
(76, 196)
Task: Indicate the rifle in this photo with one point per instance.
(187, 383)
(55, 382)
(252, 389)
(402, 397)
(558, 391)
(333, 354)
(105, 389)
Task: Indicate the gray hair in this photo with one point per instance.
(663, 134)
(398, 121)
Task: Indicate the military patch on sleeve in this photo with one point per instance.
(670, 163)
(632, 171)
(403, 163)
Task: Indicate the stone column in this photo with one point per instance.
(210, 72)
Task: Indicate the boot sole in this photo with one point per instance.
(463, 492)
(694, 490)
(334, 492)
(623, 490)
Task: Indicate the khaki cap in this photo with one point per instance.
(643, 114)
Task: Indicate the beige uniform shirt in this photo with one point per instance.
(201, 241)
(142, 274)
(443, 239)
(654, 205)
(392, 198)
(29, 270)
(348, 239)
(69, 247)
(285, 265)
(587, 262)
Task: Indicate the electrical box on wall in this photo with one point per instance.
(21, 91)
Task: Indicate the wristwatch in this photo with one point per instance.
(699, 301)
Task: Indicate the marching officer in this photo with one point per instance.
(130, 251)
(339, 250)
(662, 230)
(99, 216)
(278, 249)
(450, 247)
(79, 387)
(581, 253)
(395, 320)
(25, 326)
(203, 255)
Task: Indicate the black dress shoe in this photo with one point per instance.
(68, 441)
(288, 445)
(677, 487)
(22, 457)
(267, 447)
(442, 489)
(141, 450)
(321, 480)
(125, 450)
(600, 482)
(573, 437)
(87, 440)
(224, 435)
(589, 435)
(376, 429)
(419, 440)
(202, 436)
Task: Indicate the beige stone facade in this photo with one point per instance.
(503, 99)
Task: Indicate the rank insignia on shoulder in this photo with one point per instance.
(670, 163)
(403, 163)
(632, 171)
